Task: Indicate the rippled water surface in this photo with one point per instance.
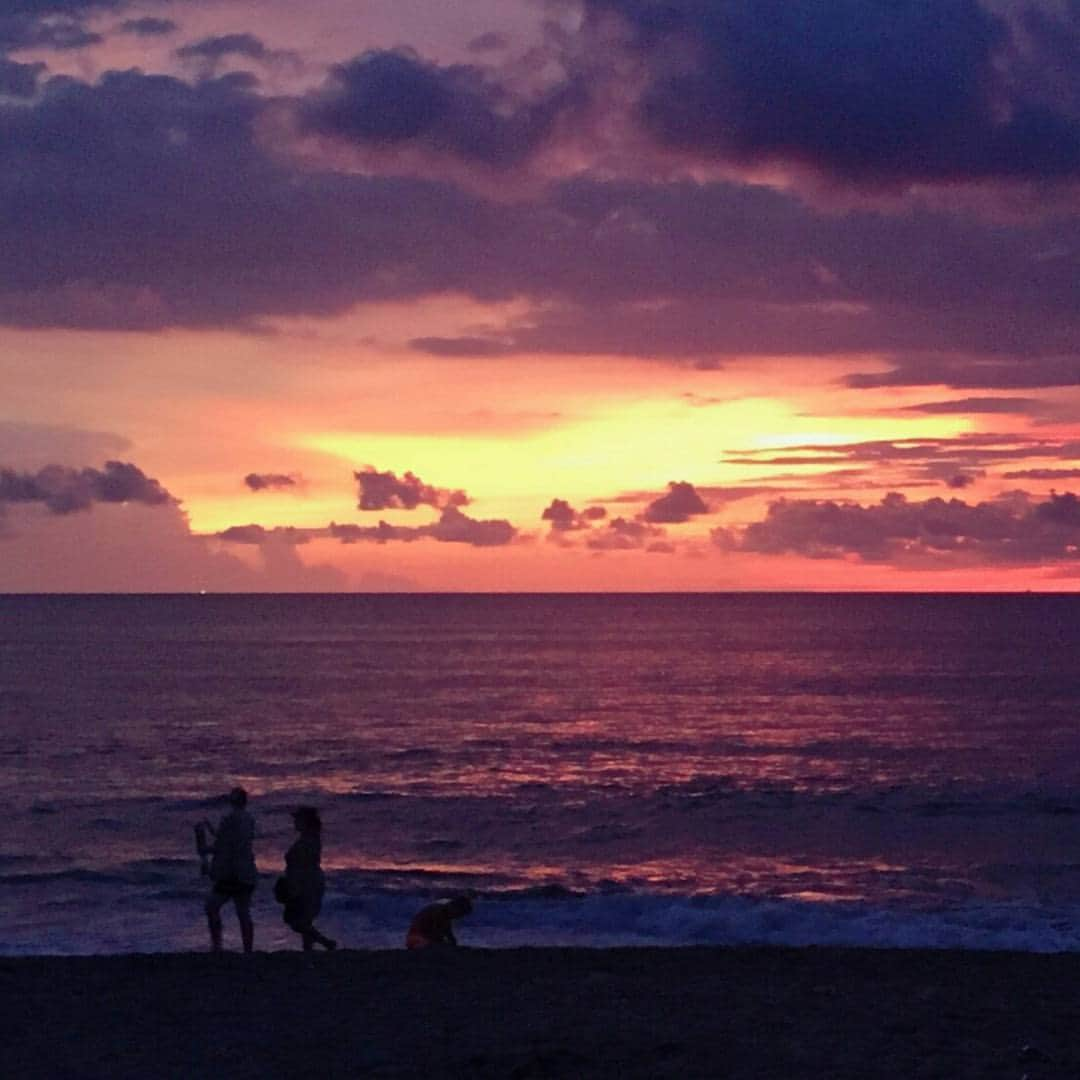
(643, 768)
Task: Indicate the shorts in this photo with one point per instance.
(233, 888)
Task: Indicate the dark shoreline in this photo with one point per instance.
(758, 1013)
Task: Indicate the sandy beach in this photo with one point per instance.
(694, 1012)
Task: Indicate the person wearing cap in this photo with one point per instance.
(232, 870)
(433, 925)
(304, 881)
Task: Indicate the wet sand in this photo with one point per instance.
(748, 1013)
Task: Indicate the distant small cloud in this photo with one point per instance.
(463, 346)
(489, 42)
(386, 491)
(680, 504)
(979, 405)
(564, 518)
(257, 535)
(216, 48)
(1043, 474)
(454, 527)
(960, 480)
(271, 481)
(624, 535)
(148, 27)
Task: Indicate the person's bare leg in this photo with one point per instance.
(214, 904)
(247, 928)
(320, 939)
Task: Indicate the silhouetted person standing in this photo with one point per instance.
(304, 881)
(232, 870)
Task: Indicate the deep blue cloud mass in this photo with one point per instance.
(882, 91)
(54, 24)
(386, 98)
(19, 80)
(144, 201)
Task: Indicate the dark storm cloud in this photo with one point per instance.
(394, 98)
(876, 91)
(64, 490)
(680, 504)
(148, 27)
(386, 491)
(270, 481)
(183, 215)
(1011, 530)
(703, 272)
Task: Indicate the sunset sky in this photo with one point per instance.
(539, 295)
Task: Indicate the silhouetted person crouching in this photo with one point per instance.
(433, 925)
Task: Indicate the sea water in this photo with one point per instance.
(886, 770)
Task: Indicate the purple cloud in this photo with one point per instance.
(624, 535)
(385, 491)
(259, 536)
(772, 81)
(19, 80)
(680, 504)
(973, 406)
(1010, 530)
(1043, 474)
(270, 481)
(564, 518)
(394, 98)
(689, 271)
(64, 490)
(453, 527)
(148, 27)
(224, 45)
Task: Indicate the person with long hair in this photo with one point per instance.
(304, 881)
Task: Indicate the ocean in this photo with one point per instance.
(798, 769)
